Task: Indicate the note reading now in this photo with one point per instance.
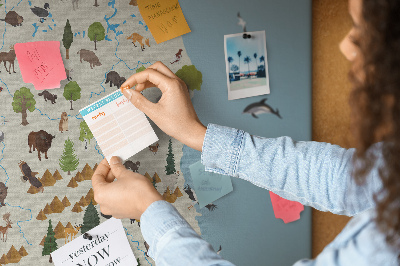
(108, 247)
(164, 18)
(118, 126)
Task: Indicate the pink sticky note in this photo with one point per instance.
(284, 209)
(41, 64)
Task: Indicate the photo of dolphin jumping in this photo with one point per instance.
(260, 108)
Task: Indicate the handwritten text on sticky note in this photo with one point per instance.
(164, 18)
(284, 209)
(41, 64)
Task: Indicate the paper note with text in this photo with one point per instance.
(209, 186)
(41, 64)
(118, 126)
(164, 18)
(108, 246)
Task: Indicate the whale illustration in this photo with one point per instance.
(260, 108)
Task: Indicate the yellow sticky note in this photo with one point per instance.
(164, 18)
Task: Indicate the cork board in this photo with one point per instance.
(331, 88)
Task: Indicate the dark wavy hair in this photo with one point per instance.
(375, 103)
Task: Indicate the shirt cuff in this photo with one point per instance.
(158, 219)
(221, 150)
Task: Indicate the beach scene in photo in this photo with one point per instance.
(246, 65)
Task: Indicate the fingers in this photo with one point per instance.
(100, 175)
(160, 67)
(159, 80)
(110, 177)
(117, 167)
(140, 102)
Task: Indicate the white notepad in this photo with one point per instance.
(118, 126)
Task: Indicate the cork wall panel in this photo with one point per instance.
(331, 89)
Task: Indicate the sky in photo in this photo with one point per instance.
(248, 47)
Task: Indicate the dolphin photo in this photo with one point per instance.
(246, 65)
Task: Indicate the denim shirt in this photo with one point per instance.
(312, 173)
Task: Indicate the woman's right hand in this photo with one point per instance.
(174, 113)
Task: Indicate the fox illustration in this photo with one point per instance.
(135, 37)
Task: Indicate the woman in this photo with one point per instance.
(362, 182)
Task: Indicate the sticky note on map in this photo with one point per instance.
(287, 210)
(119, 128)
(164, 18)
(209, 186)
(41, 64)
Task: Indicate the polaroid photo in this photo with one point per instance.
(246, 64)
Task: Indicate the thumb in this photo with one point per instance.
(139, 101)
(117, 168)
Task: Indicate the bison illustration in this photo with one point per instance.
(3, 194)
(41, 141)
(13, 19)
(89, 56)
(132, 166)
(114, 79)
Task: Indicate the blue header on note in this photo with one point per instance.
(101, 103)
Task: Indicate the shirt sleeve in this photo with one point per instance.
(173, 241)
(313, 173)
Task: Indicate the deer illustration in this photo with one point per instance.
(3, 230)
(70, 233)
(8, 57)
(135, 37)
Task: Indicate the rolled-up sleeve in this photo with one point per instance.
(172, 240)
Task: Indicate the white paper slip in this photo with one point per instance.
(118, 126)
(109, 246)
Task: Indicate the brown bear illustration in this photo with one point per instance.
(48, 96)
(3, 193)
(41, 141)
(89, 56)
(114, 79)
(63, 126)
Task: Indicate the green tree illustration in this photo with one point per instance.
(23, 101)
(138, 262)
(50, 243)
(247, 61)
(96, 33)
(68, 161)
(170, 167)
(1, 4)
(191, 76)
(68, 38)
(72, 92)
(85, 133)
(140, 69)
(91, 218)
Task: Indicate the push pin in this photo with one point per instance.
(246, 36)
(87, 236)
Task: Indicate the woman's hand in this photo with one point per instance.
(128, 196)
(174, 113)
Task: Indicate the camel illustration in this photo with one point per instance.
(135, 37)
(3, 230)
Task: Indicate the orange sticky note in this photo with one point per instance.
(41, 64)
(164, 18)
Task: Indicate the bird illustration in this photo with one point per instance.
(211, 206)
(260, 108)
(241, 22)
(29, 175)
(42, 13)
(219, 250)
(189, 191)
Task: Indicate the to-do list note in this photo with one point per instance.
(118, 126)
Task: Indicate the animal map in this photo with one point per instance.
(48, 152)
